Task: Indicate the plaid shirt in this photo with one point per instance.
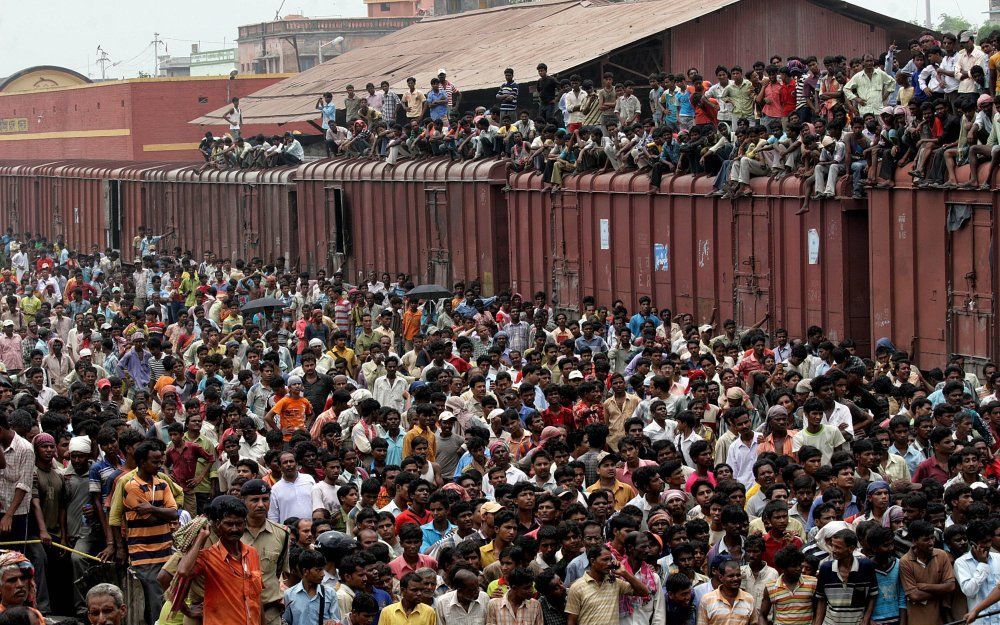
(552, 615)
(499, 611)
(517, 334)
(19, 474)
(390, 101)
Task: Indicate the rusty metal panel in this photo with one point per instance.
(745, 32)
(971, 276)
(432, 219)
(819, 265)
(908, 277)
(530, 218)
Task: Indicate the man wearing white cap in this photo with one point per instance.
(451, 90)
(77, 532)
(324, 362)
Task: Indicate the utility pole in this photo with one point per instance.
(156, 54)
(927, 13)
(103, 59)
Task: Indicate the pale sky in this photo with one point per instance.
(68, 32)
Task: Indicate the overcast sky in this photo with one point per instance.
(68, 32)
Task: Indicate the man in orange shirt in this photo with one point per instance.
(411, 323)
(229, 569)
(292, 410)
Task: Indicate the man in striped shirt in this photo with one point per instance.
(846, 587)
(728, 604)
(507, 96)
(791, 594)
(150, 510)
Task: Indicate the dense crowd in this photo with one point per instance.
(221, 440)
(817, 119)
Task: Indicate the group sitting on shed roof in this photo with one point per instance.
(816, 119)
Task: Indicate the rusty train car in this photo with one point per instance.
(917, 266)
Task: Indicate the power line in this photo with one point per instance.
(129, 61)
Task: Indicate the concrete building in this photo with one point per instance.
(296, 43)
(450, 7)
(399, 8)
(174, 66)
(55, 113)
(212, 62)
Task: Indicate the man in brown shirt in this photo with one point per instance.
(927, 576)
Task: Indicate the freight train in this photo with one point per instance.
(916, 266)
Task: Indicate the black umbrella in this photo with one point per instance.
(264, 303)
(429, 291)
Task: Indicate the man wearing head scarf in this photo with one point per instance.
(135, 363)
(17, 583)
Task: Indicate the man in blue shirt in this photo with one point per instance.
(327, 109)
(437, 100)
(644, 315)
(596, 344)
(310, 602)
(439, 524)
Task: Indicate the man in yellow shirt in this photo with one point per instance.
(341, 350)
(606, 465)
(423, 427)
(409, 610)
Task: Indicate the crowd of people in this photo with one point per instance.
(817, 119)
(173, 450)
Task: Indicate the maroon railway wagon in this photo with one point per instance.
(78, 201)
(605, 235)
(916, 266)
(436, 220)
(235, 214)
(934, 271)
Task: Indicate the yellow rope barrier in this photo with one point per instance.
(15, 543)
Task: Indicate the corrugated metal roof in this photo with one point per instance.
(475, 47)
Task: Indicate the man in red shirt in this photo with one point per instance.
(556, 414)
(943, 446)
(775, 514)
(416, 512)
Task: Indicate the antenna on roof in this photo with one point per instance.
(277, 14)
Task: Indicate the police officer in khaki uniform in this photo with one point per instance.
(272, 542)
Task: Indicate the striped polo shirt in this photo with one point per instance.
(715, 609)
(149, 539)
(792, 606)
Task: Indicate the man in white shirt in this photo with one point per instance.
(390, 389)
(965, 59)
(573, 101)
(948, 68)
(715, 91)
(291, 496)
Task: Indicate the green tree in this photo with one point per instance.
(952, 24)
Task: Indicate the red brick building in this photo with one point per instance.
(53, 113)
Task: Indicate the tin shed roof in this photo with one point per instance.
(475, 47)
